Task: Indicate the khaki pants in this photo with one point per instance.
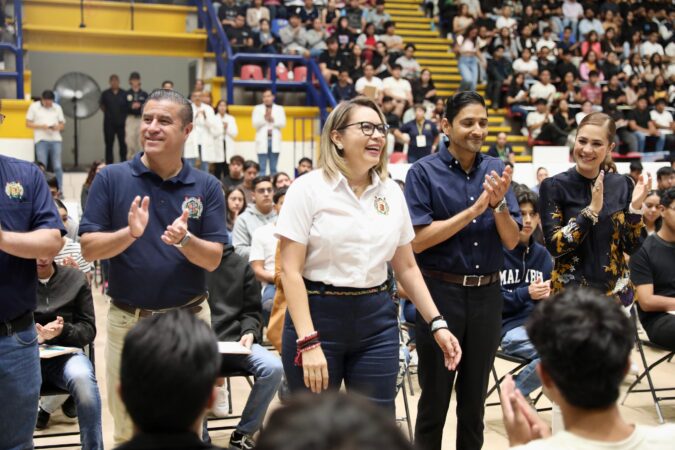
(118, 325)
(132, 135)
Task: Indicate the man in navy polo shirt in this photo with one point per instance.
(463, 212)
(30, 228)
(161, 224)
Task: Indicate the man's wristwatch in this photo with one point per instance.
(501, 206)
(183, 242)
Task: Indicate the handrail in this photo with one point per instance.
(220, 45)
(16, 48)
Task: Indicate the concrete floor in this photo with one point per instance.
(638, 408)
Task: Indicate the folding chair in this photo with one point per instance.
(229, 373)
(403, 373)
(48, 390)
(520, 363)
(646, 373)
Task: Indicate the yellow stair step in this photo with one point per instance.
(498, 129)
(415, 34)
(439, 53)
(407, 5)
(402, 27)
(510, 138)
(405, 19)
(439, 70)
(517, 149)
(446, 77)
(414, 12)
(523, 158)
(424, 40)
(424, 47)
(438, 59)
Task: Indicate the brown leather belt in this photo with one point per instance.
(193, 306)
(463, 280)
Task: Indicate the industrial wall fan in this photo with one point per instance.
(78, 94)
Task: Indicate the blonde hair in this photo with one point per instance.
(601, 120)
(331, 159)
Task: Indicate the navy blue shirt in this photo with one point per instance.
(437, 188)
(25, 205)
(429, 131)
(151, 274)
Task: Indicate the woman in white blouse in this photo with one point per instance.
(339, 228)
(223, 139)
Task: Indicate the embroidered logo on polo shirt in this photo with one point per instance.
(381, 205)
(194, 207)
(14, 190)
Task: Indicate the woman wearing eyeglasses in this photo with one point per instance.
(339, 227)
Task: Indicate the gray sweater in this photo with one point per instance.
(244, 227)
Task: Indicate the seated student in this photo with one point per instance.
(236, 316)
(261, 258)
(65, 317)
(343, 89)
(259, 212)
(665, 178)
(525, 279)
(305, 165)
(584, 341)
(651, 270)
(235, 172)
(331, 421)
(168, 373)
(502, 149)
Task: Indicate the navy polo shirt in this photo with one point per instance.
(429, 131)
(25, 205)
(437, 188)
(151, 274)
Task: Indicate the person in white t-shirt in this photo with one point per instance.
(506, 21)
(45, 118)
(664, 122)
(652, 46)
(339, 227)
(369, 79)
(399, 89)
(261, 257)
(584, 340)
(543, 88)
(526, 64)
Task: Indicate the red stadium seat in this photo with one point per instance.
(398, 158)
(251, 72)
(300, 73)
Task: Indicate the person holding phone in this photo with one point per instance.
(45, 118)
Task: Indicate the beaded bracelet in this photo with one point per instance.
(590, 215)
(298, 355)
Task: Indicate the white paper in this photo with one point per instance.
(51, 351)
(421, 141)
(233, 348)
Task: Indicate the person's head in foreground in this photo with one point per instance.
(168, 373)
(584, 341)
(331, 421)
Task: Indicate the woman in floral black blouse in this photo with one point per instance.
(590, 218)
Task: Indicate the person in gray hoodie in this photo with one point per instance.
(261, 212)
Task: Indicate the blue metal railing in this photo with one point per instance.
(16, 47)
(226, 61)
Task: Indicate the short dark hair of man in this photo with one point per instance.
(584, 340)
(636, 166)
(134, 76)
(237, 159)
(459, 101)
(668, 197)
(169, 367)
(279, 194)
(48, 94)
(250, 163)
(306, 159)
(172, 96)
(261, 179)
(331, 421)
(527, 196)
(664, 172)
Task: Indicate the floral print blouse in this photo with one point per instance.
(586, 254)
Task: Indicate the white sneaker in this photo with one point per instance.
(524, 131)
(221, 407)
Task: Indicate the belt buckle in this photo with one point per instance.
(471, 277)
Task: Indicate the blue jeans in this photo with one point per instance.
(516, 342)
(75, 374)
(642, 141)
(268, 371)
(19, 388)
(408, 314)
(359, 338)
(270, 156)
(51, 150)
(267, 302)
(468, 68)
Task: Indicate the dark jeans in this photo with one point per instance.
(494, 92)
(661, 330)
(359, 338)
(109, 133)
(474, 316)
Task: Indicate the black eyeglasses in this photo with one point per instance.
(368, 128)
